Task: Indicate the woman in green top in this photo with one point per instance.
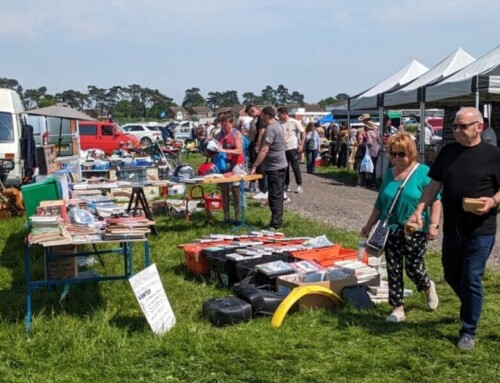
(405, 248)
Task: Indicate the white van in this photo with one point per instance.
(11, 165)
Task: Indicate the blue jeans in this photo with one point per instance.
(464, 260)
(310, 160)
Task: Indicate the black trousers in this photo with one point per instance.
(262, 181)
(405, 251)
(275, 182)
(292, 157)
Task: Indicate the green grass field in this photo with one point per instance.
(100, 334)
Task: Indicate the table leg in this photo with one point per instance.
(130, 258)
(146, 254)
(243, 206)
(27, 274)
(140, 199)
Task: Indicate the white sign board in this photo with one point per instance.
(153, 300)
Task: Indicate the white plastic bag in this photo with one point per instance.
(366, 164)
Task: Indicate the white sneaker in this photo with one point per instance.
(396, 316)
(288, 188)
(432, 298)
(299, 190)
(285, 195)
(260, 195)
(287, 200)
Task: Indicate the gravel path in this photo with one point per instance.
(345, 206)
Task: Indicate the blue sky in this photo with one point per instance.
(318, 47)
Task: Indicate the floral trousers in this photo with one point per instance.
(405, 251)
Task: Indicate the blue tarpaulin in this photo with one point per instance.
(327, 118)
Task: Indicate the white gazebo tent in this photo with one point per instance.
(371, 98)
(480, 79)
(412, 95)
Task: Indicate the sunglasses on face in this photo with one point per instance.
(398, 154)
(464, 126)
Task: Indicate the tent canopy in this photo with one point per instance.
(410, 95)
(370, 99)
(482, 75)
(61, 111)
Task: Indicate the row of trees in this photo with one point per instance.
(135, 101)
(268, 96)
(131, 101)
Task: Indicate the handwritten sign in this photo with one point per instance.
(153, 300)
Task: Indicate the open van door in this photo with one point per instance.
(11, 164)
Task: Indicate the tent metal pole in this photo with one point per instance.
(381, 134)
(421, 143)
(477, 92)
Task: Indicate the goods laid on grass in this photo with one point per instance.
(262, 268)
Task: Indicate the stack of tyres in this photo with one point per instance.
(228, 310)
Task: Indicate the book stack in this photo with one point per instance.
(47, 230)
(127, 228)
(83, 234)
(275, 268)
(52, 208)
(364, 273)
(379, 294)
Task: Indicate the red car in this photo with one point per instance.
(103, 135)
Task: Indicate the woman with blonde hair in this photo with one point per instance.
(405, 245)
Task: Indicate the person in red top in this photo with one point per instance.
(231, 143)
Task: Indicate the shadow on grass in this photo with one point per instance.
(80, 301)
(374, 321)
(181, 270)
(133, 324)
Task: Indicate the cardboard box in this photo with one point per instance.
(62, 264)
(285, 284)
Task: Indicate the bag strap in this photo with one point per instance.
(400, 189)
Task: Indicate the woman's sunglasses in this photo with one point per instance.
(398, 154)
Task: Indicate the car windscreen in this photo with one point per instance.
(6, 127)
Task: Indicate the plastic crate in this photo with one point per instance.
(196, 261)
(325, 256)
(132, 174)
(196, 257)
(347, 254)
(218, 271)
(144, 162)
(244, 268)
(33, 194)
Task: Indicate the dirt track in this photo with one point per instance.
(345, 206)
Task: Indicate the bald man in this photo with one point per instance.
(467, 168)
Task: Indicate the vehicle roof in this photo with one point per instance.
(10, 101)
